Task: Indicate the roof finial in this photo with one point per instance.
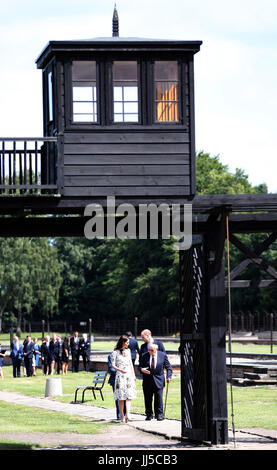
(115, 22)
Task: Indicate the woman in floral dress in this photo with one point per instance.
(125, 379)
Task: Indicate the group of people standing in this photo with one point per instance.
(152, 362)
(54, 353)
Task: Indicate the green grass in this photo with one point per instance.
(252, 348)
(19, 418)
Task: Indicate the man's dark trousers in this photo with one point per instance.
(150, 389)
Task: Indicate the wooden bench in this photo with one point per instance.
(98, 383)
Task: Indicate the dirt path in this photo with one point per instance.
(118, 436)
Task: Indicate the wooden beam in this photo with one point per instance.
(253, 256)
(252, 283)
(237, 202)
(243, 265)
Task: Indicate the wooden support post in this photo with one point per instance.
(216, 331)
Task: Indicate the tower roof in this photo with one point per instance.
(115, 44)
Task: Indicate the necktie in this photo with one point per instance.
(152, 364)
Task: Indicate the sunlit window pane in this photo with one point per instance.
(130, 93)
(50, 96)
(118, 117)
(84, 91)
(131, 108)
(84, 118)
(125, 91)
(118, 108)
(166, 91)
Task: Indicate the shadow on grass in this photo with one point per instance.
(13, 445)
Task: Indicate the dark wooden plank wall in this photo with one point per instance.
(134, 163)
(143, 161)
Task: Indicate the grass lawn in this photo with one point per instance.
(20, 418)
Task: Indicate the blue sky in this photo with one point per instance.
(235, 71)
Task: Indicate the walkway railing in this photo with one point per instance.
(28, 165)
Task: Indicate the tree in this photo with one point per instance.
(213, 177)
(29, 276)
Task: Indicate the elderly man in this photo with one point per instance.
(152, 365)
(146, 336)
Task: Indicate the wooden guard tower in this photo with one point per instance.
(118, 118)
(122, 110)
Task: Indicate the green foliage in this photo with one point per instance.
(118, 278)
(29, 277)
(212, 177)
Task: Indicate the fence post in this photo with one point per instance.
(271, 332)
(90, 330)
(42, 329)
(136, 327)
(167, 330)
(11, 335)
(242, 322)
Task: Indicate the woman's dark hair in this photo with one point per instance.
(120, 343)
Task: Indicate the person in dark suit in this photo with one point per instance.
(133, 346)
(16, 355)
(74, 347)
(84, 351)
(146, 336)
(28, 350)
(152, 365)
(111, 382)
(2, 355)
(45, 356)
(55, 348)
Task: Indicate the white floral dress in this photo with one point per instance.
(125, 384)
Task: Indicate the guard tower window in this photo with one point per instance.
(166, 91)
(50, 96)
(125, 91)
(84, 88)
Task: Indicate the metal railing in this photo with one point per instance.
(28, 165)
